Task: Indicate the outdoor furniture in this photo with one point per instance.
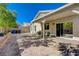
(52, 35)
(47, 33)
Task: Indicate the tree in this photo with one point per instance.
(7, 18)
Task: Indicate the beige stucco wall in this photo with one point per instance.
(76, 26)
(75, 20)
(38, 28)
(52, 25)
(59, 17)
(64, 15)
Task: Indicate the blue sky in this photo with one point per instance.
(27, 11)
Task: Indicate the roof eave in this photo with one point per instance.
(52, 11)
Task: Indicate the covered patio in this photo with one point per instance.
(55, 22)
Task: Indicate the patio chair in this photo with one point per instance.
(47, 34)
(52, 35)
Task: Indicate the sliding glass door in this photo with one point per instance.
(63, 29)
(59, 29)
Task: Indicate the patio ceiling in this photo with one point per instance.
(60, 15)
(65, 12)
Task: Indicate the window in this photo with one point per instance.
(46, 26)
(68, 28)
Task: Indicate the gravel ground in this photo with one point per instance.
(50, 50)
(40, 51)
(1, 38)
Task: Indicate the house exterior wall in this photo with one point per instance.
(52, 25)
(64, 15)
(37, 26)
(76, 26)
(32, 30)
(74, 19)
(63, 20)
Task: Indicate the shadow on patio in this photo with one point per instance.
(37, 43)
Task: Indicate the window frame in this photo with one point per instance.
(46, 26)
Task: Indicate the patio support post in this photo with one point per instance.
(43, 29)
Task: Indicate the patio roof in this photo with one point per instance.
(41, 13)
(53, 11)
